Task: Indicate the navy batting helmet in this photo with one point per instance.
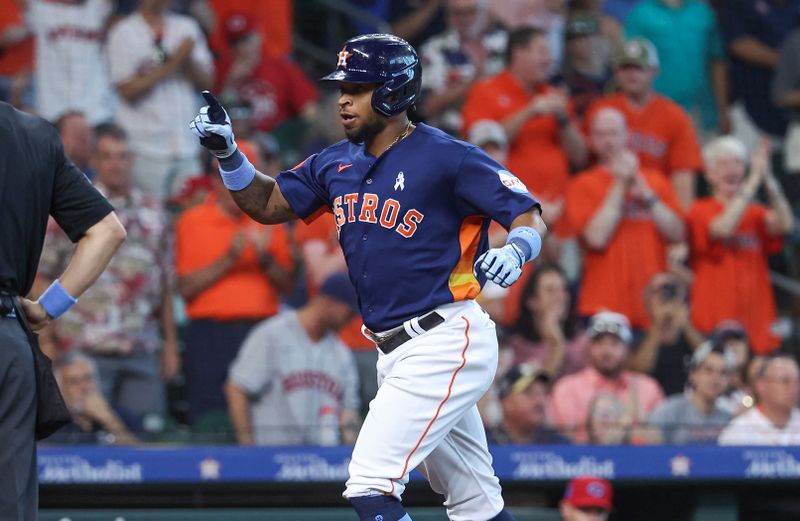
(385, 59)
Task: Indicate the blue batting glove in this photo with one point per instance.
(503, 266)
(213, 126)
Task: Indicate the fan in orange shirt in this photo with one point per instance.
(274, 18)
(229, 268)
(625, 217)
(730, 240)
(536, 117)
(661, 132)
(230, 272)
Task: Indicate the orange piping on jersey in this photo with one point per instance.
(301, 163)
(462, 283)
(441, 404)
(319, 211)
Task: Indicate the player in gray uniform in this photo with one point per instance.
(294, 382)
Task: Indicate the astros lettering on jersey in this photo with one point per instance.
(412, 222)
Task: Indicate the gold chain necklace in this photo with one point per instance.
(406, 131)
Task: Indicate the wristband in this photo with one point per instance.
(55, 300)
(527, 240)
(236, 171)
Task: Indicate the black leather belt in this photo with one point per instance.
(426, 323)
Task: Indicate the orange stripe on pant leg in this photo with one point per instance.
(441, 404)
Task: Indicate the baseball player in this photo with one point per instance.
(412, 207)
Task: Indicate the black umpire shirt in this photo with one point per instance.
(37, 180)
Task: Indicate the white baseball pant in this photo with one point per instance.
(425, 413)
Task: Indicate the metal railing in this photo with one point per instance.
(784, 283)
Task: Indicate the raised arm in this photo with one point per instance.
(191, 284)
(604, 222)
(669, 223)
(780, 218)
(724, 225)
(263, 201)
(140, 84)
(258, 195)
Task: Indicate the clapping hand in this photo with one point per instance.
(554, 102)
(625, 167)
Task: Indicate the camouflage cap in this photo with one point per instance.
(639, 52)
(518, 378)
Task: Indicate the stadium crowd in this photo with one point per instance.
(660, 136)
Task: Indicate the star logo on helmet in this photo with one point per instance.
(343, 55)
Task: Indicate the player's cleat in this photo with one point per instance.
(382, 508)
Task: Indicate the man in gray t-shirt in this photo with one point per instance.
(293, 381)
(693, 417)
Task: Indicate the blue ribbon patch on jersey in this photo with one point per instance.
(512, 182)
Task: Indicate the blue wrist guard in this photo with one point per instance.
(527, 240)
(236, 171)
(55, 300)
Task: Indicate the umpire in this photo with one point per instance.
(37, 180)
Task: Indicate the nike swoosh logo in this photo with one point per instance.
(342, 167)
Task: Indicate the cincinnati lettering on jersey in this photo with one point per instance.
(348, 209)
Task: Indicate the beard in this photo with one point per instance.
(611, 372)
(367, 130)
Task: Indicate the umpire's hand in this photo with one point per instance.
(35, 313)
(213, 126)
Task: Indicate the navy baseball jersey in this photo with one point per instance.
(411, 223)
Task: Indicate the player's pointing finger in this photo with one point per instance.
(211, 99)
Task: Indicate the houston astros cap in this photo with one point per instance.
(339, 287)
(609, 322)
(639, 52)
(589, 491)
(518, 378)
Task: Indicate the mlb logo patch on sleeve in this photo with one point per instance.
(512, 182)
